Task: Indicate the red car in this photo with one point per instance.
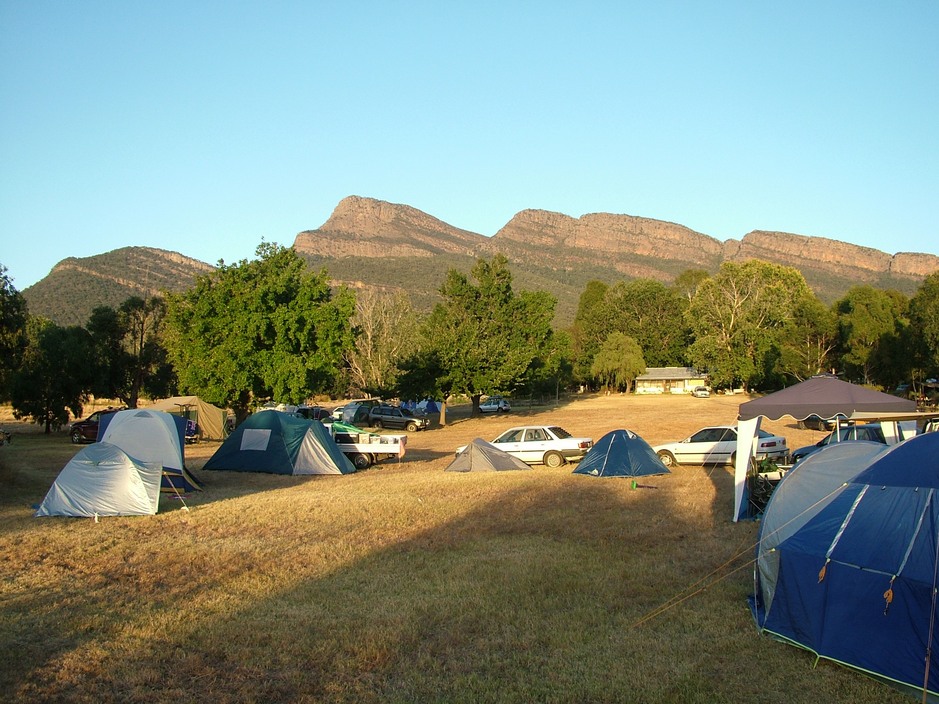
(87, 430)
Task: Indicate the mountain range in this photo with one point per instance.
(369, 242)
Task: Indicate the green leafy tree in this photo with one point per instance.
(687, 282)
(485, 337)
(869, 321)
(736, 318)
(808, 340)
(554, 370)
(260, 329)
(54, 375)
(128, 353)
(922, 335)
(650, 313)
(588, 330)
(618, 362)
(13, 317)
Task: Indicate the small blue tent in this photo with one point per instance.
(850, 574)
(621, 453)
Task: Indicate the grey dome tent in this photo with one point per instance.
(279, 443)
(482, 456)
(621, 453)
(103, 480)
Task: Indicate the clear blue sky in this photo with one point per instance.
(204, 127)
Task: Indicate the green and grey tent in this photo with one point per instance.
(621, 453)
(278, 443)
(482, 456)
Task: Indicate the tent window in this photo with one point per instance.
(255, 439)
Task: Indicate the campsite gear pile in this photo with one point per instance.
(848, 560)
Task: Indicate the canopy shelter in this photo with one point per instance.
(825, 396)
(621, 453)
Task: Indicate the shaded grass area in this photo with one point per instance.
(398, 584)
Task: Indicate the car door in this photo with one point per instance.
(534, 445)
(511, 442)
(701, 448)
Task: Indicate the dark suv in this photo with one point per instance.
(87, 430)
(847, 433)
(357, 412)
(396, 417)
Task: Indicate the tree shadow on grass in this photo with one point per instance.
(525, 588)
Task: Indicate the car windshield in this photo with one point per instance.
(514, 435)
(559, 433)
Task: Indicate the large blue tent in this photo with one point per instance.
(851, 573)
(621, 453)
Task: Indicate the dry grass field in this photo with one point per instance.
(404, 583)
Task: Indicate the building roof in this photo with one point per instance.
(670, 373)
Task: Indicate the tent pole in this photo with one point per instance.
(932, 621)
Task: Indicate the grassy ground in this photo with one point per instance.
(403, 583)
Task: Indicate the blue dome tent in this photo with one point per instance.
(621, 453)
(849, 571)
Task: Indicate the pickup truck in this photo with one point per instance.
(541, 444)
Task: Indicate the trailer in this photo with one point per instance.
(365, 449)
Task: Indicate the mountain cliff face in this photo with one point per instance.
(364, 227)
(368, 242)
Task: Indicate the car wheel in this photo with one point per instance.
(77, 437)
(411, 427)
(733, 459)
(668, 459)
(554, 459)
(361, 461)
(376, 424)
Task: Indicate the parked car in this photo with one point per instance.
(701, 392)
(816, 422)
(396, 417)
(541, 444)
(86, 430)
(845, 433)
(495, 404)
(356, 412)
(313, 413)
(718, 445)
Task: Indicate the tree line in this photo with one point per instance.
(273, 329)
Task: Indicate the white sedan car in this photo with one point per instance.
(718, 445)
(541, 444)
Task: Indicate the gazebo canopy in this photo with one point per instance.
(825, 396)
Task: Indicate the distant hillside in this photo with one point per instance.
(75, 286)
(368, 242)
